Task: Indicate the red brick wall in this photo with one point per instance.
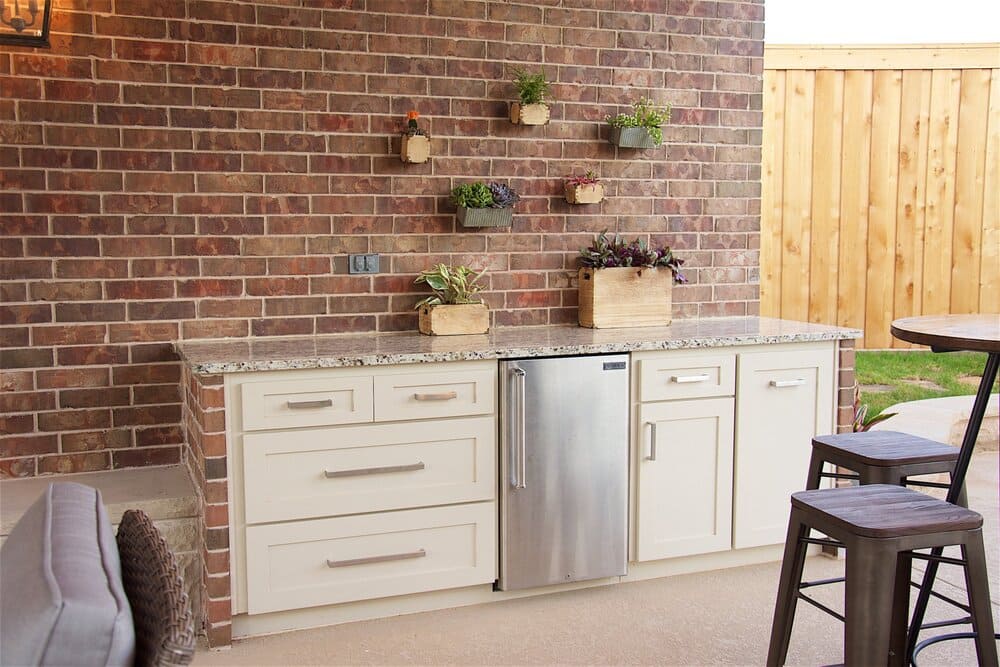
(194, 169)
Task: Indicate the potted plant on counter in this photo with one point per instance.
(584, 189)
(626, 284)
(532, 92)
(641, 128)
(416, 144)
(484, 204)
(454, 307)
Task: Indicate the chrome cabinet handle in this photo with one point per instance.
(684, 379)
(419, 553)
(652, 441)
(781, 384)
(444, 396)
(357, 472)
(304, 405)
(522, 466)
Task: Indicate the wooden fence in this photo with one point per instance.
(881, 184)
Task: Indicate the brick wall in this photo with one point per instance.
(194, 169)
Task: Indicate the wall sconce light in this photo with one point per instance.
(22, 25)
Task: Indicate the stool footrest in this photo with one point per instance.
(940, 638)
(938, 559)
(826, 542)
(840, 475)
(822, 582)
(944, 598)
(822, 607)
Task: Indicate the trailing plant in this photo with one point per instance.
(531, 88)
(411, 124)
(451, 284)
(589, 179)
(605, 253)
(481, 195)
(644, 114)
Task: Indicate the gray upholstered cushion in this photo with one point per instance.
(61, 596)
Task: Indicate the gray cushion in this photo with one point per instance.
(61, 596)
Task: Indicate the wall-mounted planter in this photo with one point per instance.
(415, 149)
(590, 193)
(632, 137)
(454, 319)
(485, 217)
(529, 114)
(625, 297)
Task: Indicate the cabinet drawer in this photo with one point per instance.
(291, 403)
(435, 394)
(371, 468)
(327, 561)
(682, 376)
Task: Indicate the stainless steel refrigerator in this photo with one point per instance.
(564, 450)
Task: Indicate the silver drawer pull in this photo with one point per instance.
(305, 405)
(419, 553)
(443, 396)
(683, 379)
(781, 384)
(357, 472)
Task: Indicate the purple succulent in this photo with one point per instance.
(503, 195)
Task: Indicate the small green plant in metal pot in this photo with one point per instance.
(640, 129)
(484, 204)
(454, 307)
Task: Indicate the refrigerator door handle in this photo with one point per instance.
(518, 403)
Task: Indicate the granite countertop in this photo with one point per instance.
(208, 357)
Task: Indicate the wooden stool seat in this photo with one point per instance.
(879, 526)
(882, 448)
(883, 511)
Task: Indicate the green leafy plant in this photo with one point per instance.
(482, 195)
(615, 252)
(861, 420)
(644, 114)
(451, 285)
(531, 88)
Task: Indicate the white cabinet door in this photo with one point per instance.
(784, 398)
(685, 477)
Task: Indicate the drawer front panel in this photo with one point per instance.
(682, 376)
(432, 395)
(371, 468)
(328, 561)
(293, 403)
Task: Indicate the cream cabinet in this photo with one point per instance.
(783, 398)
(721, 439)
(683, 453)
(359, 483)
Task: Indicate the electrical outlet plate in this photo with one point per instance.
(362, 263)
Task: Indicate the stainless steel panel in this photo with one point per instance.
(564, 470)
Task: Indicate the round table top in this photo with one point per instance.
(980, 333)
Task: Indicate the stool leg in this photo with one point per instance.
(815, 468)
(900, 610)
(868, 607)
(788, 589)
(978, 586)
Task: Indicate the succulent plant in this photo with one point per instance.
(605, 253)
(644, 114)
(503, 195)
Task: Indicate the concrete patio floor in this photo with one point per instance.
(721, 617)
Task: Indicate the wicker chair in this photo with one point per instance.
(163, 623)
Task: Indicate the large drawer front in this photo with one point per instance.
(371, 468)
(292, 403)
(431, 395)
(683, 376)
(328, 561)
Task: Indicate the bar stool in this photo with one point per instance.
(881, 457)
(879, 526)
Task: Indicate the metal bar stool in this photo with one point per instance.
(879, 526)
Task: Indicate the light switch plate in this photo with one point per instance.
(362, 263)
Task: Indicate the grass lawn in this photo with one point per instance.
(915, 375)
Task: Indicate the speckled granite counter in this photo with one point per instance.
(258, 354)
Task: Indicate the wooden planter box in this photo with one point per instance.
(485, 217)
(454, 319)
(584, 194)
(632, 137)
(415, 149)
(529, 114)
(625, 297)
